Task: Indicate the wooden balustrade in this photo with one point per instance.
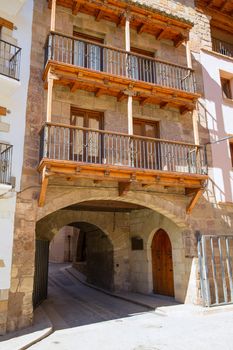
(77, 144)
(222, 47)
(10, 56)
(106, 59)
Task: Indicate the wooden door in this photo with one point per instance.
(86, 145)
(162, 266)
(147, 152)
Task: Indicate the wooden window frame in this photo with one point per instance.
(226, 87)
(151, 122)
(231, 151)
(97, 40)
(77, 110)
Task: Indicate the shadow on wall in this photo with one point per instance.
(98, 254)
(218, 153)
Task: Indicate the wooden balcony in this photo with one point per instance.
(75, 152)
(221, 12)
(143, 18)
(222, 47)
(82, 64)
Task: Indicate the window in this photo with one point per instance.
(142, 68)
(86, 54)
(231, 152)
(226, 88)
(85, 145)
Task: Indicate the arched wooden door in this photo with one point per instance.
(162, 267)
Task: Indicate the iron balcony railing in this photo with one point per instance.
(102, 58)
(5, 163)
(71, 143)
(10, 56)
(222, 47)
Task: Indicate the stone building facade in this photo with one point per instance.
(101, 207)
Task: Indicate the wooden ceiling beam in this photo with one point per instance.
(179, 40)
(161, 34)
(121, 96)
(163, 104)
(223, 5)
(144, 101)
(99, 15)
(5, 23)
(141, 28)
(99, 92)
(121, 20)
(75, 8)
(123, 188)
(3, 111)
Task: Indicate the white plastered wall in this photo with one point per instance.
(217, 114)
(13, 96)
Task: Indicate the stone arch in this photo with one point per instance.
(167, 205)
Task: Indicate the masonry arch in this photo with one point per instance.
(132, 270)
(99, 260)
(174, 209)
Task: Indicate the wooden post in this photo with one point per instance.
(127, 31)
(49, 97)
(130, 115)
(188, 55)
(195, 113)
(195, 127)
(53, 15)
(130, 99)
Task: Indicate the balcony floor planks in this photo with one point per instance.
(98, 172)
(90, 80)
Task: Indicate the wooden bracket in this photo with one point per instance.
(44, 185)
(75, 7)
(194, 200)
(3, 111)
(123, 188)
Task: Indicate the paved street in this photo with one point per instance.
(86, 319)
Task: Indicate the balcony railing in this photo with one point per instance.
(102, 58)
(5, 163)
(10, 56)
(222, 47)
(78, 144)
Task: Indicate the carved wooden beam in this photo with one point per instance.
(3, 111)
(194, 200)
(75, 7)
(123, 188)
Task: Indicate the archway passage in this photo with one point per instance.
(162, 266)
(95, 261)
